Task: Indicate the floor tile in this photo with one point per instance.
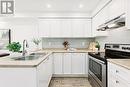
(69, 82)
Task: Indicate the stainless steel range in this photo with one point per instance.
(98, 62)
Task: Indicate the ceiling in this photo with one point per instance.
(85, 6)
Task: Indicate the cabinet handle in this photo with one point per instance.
(48, 58)
(117, 81)
(117, 71)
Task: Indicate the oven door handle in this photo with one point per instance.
(97, 60)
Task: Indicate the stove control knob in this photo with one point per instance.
(128, 48)
(123, 48)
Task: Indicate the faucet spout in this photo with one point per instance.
(25, 45)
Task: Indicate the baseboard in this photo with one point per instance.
(69, 75)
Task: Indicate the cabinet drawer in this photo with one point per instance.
(111, 80)
(119, 71)
(121, 83)
(116, 81)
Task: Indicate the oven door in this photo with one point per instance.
(97, 69)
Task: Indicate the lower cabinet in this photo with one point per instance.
(44, 72)
(118, 76)
(57, 61)
(78, 63)
(70, 63)
(38, 76)
(67, 63)
(18, 77)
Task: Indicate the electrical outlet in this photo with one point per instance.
(49, 43)
(83, 43)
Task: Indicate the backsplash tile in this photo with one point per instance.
(74, 42)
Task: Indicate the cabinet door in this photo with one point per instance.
(42, 72)
(87, 32)
(116, 8)
(49, 69)
(96, 23)
(18, 77)
(44, 28)
(55, 28)
(86, 63)
(51, 65)
(128, 14)
(81, 28)
(67, 63)
(58, 63)
(77, 28)
(78, 63)
(66, 28)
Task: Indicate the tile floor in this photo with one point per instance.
(69, 82)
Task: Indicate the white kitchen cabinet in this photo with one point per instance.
(44, 28)
(87, 28)
(44, 72)
(77, 28)
(58, 63)
(18, 77)
(70, 63)
(116, 8)
(101, 18)
(67, 63)
(55, 28)
(81, 28)
(78, 63)
(38, 76)
(86, 63)
(118, 76)
(65, 28)
(128, 14)
(95, 25)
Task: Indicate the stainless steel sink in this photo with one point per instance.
(32, 56)
(43, 54)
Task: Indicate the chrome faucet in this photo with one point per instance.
(24, 50)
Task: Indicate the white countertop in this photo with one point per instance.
(121, 62)
(8, 62)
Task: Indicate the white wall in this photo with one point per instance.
(21, 28)
(120, 36)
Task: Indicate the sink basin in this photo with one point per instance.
(30, 57)
(40, 54)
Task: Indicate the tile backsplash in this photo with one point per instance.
(74, 42)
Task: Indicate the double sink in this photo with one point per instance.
(32, 56)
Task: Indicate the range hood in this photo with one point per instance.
(113, 24)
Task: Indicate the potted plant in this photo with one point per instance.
(14, 47)
(36, 42)
(97, 45)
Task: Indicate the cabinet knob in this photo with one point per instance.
(117, 71)
(117, 81)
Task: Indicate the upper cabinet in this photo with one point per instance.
(110, 11)
(81, 28)
(128, 14)
(65, 28)
(116, 8)
(98, 20)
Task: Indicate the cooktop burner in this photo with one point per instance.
(113, 51)
(104, 57)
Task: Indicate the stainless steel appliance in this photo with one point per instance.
(98, 62)
(113, 24)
